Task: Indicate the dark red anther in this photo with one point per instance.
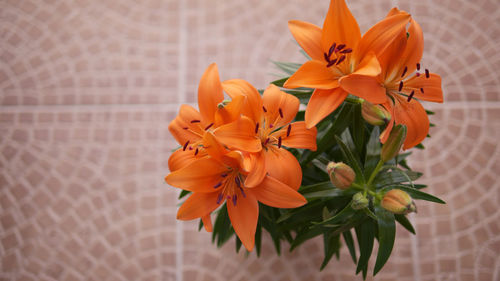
(217, 185)
(185, 128)
(243, 193)
(341, 59)
(346, 51)
(422, 90)
(404, 71)
(331, 63)
(185, 146)
(280, 112)
(223, 175)
(263, 108)
(288, 130)
(209, 126)
(238, 182)
(271, 125)
(235, 198)
(332, 49)
(279, 142)
(190, 148)
(340, 47)
(257, 128)
(400, 86)
(195, 121)
(267, 141)
(411, 96)
(427, 74)
(219, 198)
(417, 74)
(196, 152)
(327, 58)
(418, 66)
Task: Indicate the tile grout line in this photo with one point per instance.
(181, 86)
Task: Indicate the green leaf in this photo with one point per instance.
(366, 234)
(350, 244)
(386, 237)
(305, 235)
(327, 140)
(357, 128)
(258, 239)
(372, 151)
(340, 216)
(280, 82)
(222, 229)
(395, 176)
(302, 95)
(417, 194)
(287, 67)
(334, 192)
(351, 160)
(331, 245)
(238, 244)
(403, 220)
(184, 193)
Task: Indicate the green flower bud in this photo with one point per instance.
(375, 114)
(398, 202)
(394, 143)
(359, 201)
(341, 175)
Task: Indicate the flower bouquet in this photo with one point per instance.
(255, 160)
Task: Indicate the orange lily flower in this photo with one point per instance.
(400, 61)
(272, 114)
(342, 61)
(220, 177)
(215, 115)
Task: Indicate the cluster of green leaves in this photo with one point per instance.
(342, 137)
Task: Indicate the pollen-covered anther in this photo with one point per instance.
(400, 86)
(332, 49)
(237, 181)
(418, 66)
(219, 198)
(417, 74)
(267, 141)
(185, 146)
(217, 185)
(196, 152)
(264, 109)
(288, 130)
(235, 199)
(257, 127)
(411, 96)
(209, 126)
(331, 63)
(195, 121)
(280, 112)
(341, 59)
(427, 75)
(346, 51)
(340, 47)
(279, 142)
(422, 90)
(404, 71)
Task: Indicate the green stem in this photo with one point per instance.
(352, 100)
(375, 172)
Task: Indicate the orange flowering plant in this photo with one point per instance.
(254, 161)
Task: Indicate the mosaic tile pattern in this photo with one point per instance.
(87, 89)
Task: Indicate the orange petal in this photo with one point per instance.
(230, 112)
(414, 49)
(198, 205)
(239, 135)
(308, 36)
(393, 11)
(234, 159)
(340, 27)
(181, 158)
(365, 87)
(413, 115)
(390, 60)
(257, 171)
(239, 87)
(209, 93)
(183, 129)
(207, 223)
(382, 34)
(298, 136)
(431, 87)
(199, 176)
(213, 147)
(244, 216)
(322, 103)
(274, 193)
(313, 74)
(283, 166)
(275, 100)
(385, 134)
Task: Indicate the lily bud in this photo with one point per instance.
(359, 201)
(398, 202)
(374, 114)
(341, 175)
(394, 143)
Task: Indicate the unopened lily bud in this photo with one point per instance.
(341, 175)
(398, 202)
(359, 201)
(374, 114)
(394, 143)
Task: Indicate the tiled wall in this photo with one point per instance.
(87, 89)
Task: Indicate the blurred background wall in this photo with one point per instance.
(87, 89)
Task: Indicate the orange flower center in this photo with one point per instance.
(397, 83)
(231, 186)
(265, 131)
(336, 54)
